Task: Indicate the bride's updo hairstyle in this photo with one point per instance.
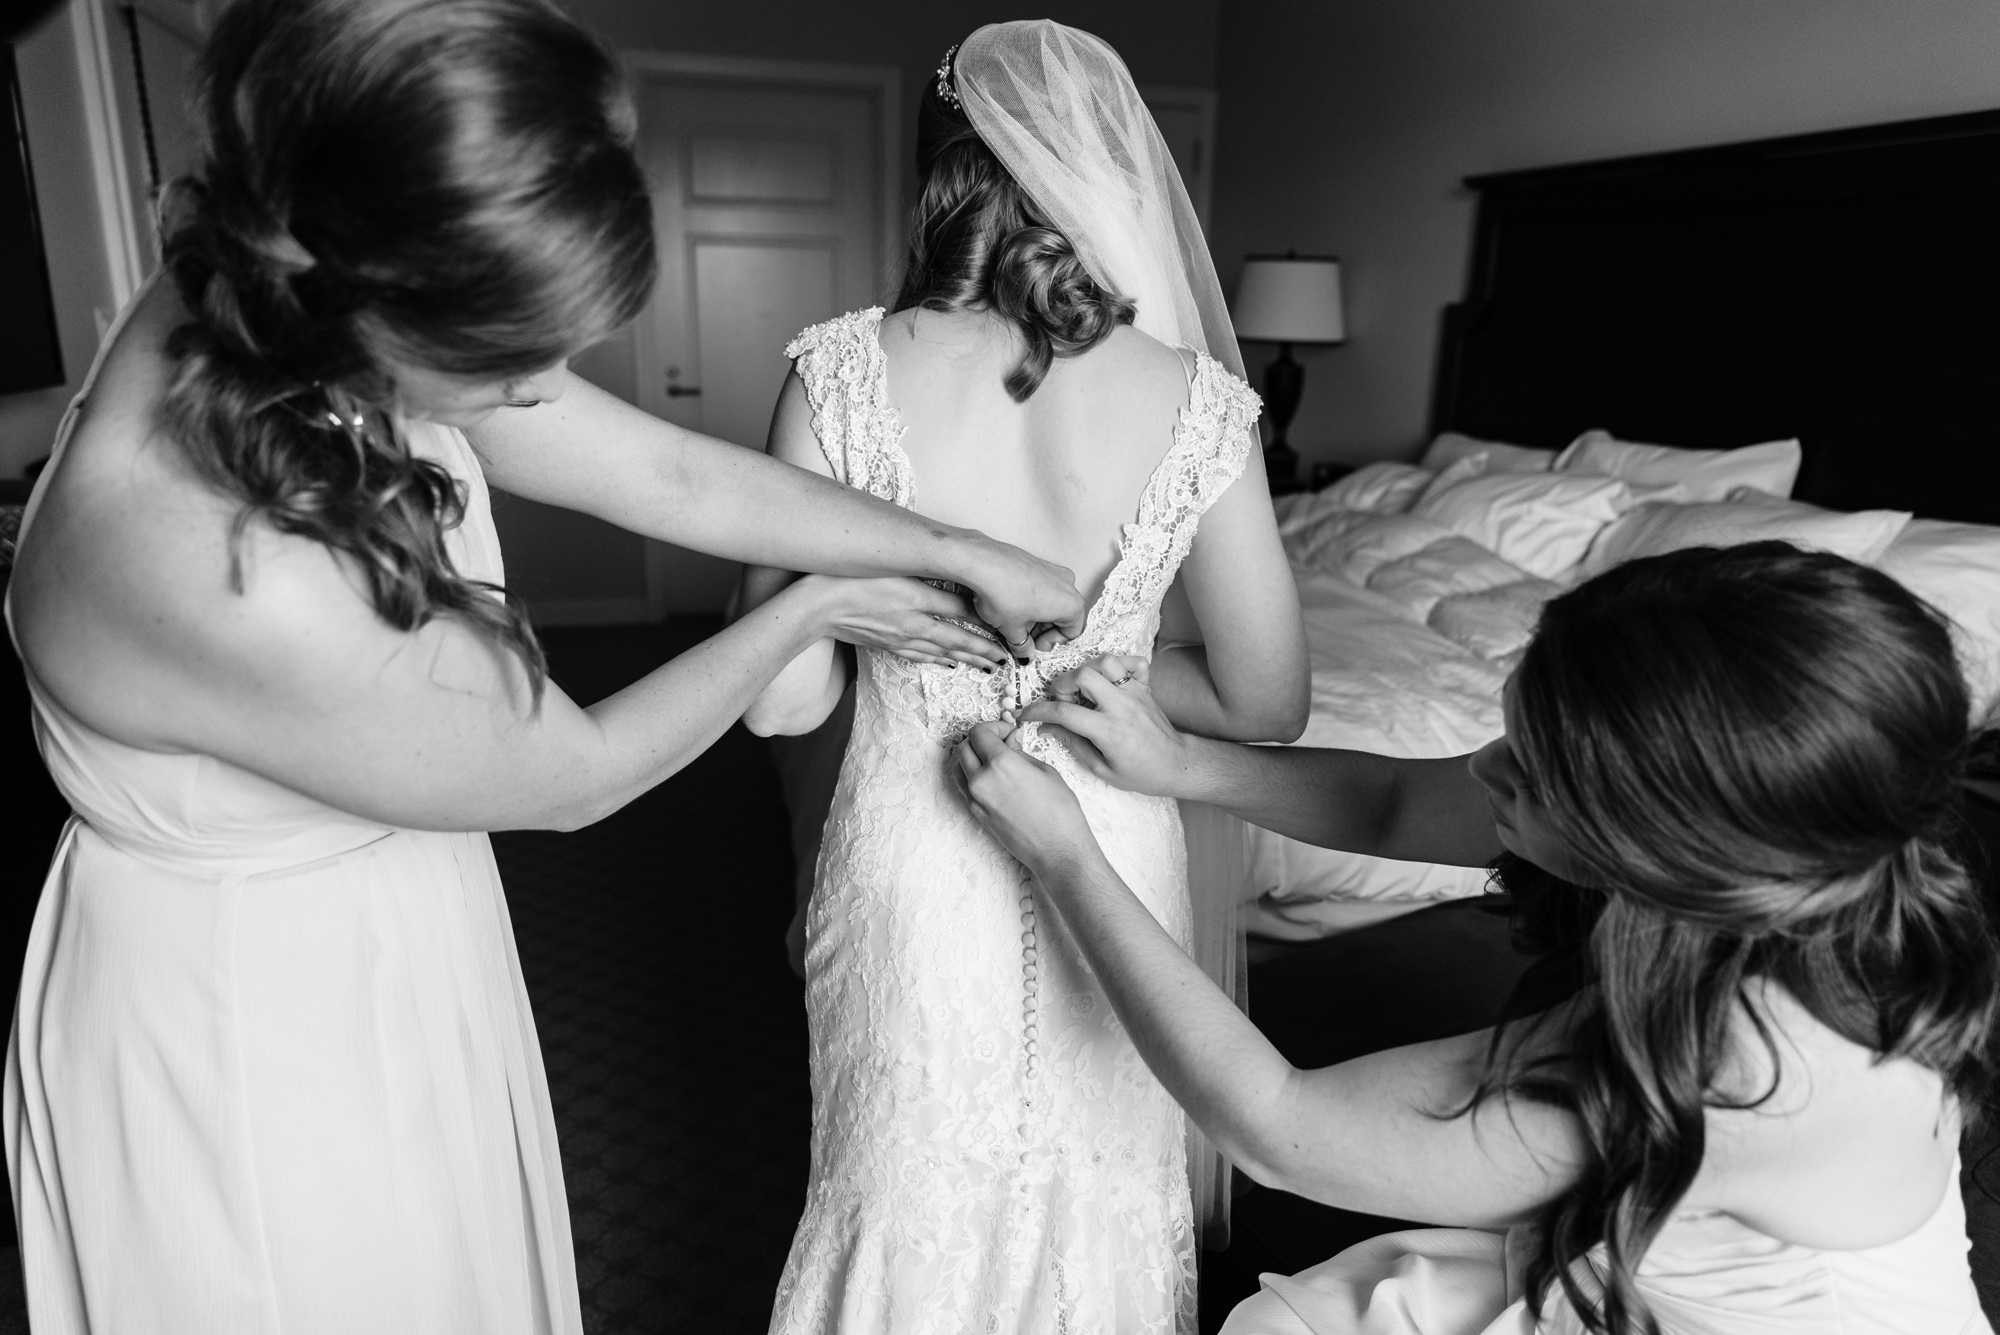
(1754, 755)
(977, 242)
(447, 184)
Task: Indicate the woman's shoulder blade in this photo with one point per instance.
(1815, 1139)
(136, 575)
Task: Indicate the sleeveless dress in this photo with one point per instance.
(1705, 1274)
(989, 1153)
(273, 1067)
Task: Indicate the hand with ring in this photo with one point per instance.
(1105, 713)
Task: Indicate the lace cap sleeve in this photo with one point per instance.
(846, 378)
(1222, 416)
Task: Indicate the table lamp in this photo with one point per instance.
(1287, 299)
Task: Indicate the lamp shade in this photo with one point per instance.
(1289, 299)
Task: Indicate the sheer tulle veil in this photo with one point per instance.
(1058, 108)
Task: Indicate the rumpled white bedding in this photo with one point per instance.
(1412, 624)
(1384, 680)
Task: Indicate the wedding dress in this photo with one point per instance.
(989, 1152)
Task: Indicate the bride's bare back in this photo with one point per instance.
(1061, 475)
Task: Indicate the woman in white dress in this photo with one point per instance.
(1729, 1096)
(272, 1067)
(989, 1153)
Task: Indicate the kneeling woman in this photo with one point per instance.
(1730, 1089)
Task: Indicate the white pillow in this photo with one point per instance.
(1542, 522)
(1450, 447)
(1748, 515)
(1701, 475)
(1384, 488)
(1956, 569)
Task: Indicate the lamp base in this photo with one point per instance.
(1284, 383)
(1281, 463)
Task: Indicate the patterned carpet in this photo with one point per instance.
(674, 1034)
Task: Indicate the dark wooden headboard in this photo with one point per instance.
(1843, 288)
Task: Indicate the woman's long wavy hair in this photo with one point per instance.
(1754, 754)
(446, 184)
(977, 243)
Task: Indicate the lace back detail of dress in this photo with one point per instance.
(845, 373)
(846, 377)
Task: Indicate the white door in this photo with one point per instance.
(775, 202)
(1186, 117)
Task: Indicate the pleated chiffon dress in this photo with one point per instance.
(273, 1066)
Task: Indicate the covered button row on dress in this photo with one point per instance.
(1030, 978)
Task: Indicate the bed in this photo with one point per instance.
(1786, 338)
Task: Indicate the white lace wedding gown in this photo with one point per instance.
(989, 1152)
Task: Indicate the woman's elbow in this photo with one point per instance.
(1274, 716)
(774, 719)
(1288, 722)
(1264, 1158)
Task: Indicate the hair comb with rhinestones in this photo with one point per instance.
(946, 92)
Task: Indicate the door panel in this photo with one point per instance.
(768, 186)
(768, 199)
(737, 170)
(751, 299)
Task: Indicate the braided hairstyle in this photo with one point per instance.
(445, 184)
(1754, 754)
(977, 242)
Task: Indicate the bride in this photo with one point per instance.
(989, 1152)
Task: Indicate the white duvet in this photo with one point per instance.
(1411, 630)
(1419, 598)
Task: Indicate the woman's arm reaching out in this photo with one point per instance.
(591, 452)
(808, 688)
(1411, 810)
(296, 678)
(1248, 680)
(1364, 1135)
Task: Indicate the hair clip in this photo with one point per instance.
(343, 422)
(947, 94)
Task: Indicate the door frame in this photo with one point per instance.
(884, 82)
(124, 215)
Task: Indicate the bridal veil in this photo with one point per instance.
(1059, 109)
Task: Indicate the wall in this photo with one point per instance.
(1347, 127)
(1163, 41)
(52, 98)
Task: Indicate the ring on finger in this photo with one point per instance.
(1120, 681)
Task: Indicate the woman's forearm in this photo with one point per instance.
(591, 452)
(649, 731)
(748, 507)
(1214, 1062)
(1380, 806)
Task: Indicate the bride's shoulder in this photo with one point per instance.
(1131, 360)
(850, 329)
